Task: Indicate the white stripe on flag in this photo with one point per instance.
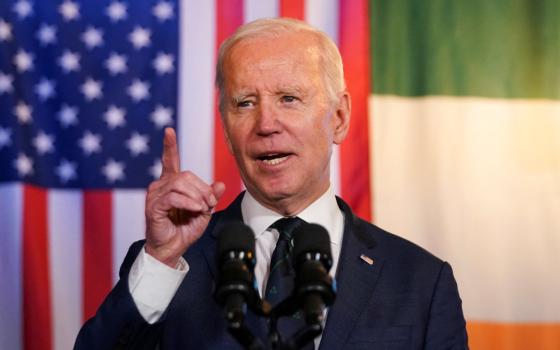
(11, 207)
(196, 87)
(128, 223)
(254, 9)
(65, 220)
(323, 14)
(475, 181)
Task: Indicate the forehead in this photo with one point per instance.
(286, 58)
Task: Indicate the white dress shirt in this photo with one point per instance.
(153, 284)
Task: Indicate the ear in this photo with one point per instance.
(341, 118)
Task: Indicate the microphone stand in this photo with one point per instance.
(235, 319)
(303, 336)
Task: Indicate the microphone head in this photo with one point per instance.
(312, 238)
(236, 237)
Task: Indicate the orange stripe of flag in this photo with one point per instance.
(229, 16)
(354, 151)
(37, 326)
(97, 249)
(513, 336)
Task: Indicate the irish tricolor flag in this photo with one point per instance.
(465, 145)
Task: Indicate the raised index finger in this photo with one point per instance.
(170, 155)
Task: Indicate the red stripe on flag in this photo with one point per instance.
(354, 151)
(292, 8)
(97, 249)
(229, 16)
(37, 325)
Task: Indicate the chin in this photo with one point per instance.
(275, 191)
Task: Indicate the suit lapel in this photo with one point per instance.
(355, 280)
(229, 215)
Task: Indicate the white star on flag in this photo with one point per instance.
(92, 37)
(24, 165)
(163, 11)
(116, 11)
(137, 144)
(163, 63)
(23, 61)
(6, 81)
(90, 143)
(92, 89)
(5, 137)
(69, 61)
(139, 90)
(69, 10)
(46, 34)
(23, 113)
(155, 169)
(45, 89)
(116, 64)
(140, 37)
(161, 116)
(113, 171)
(68, 115)
(114, 117)
(23, 9)
(43, 143)
(66, 171)
(5, 30)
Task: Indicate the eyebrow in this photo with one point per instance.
(237, 99)
(290, 89)
(281, 90)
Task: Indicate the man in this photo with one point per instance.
(284, 105)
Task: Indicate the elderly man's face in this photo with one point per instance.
(279, 123)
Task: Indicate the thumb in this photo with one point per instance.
(219, 188)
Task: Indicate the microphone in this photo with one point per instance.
(236, 287)
(314, 288)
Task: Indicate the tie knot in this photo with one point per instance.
(287, 226)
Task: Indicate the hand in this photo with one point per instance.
(178, 206)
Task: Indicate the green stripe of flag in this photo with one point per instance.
(489, 48)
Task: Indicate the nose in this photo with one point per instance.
(267, 122)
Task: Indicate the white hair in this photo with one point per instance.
(331, 67)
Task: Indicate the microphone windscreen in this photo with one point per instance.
(311, 238)
(236, 237)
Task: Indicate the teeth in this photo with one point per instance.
(275, 161)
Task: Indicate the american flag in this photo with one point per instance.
(86, 89)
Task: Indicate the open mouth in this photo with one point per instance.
(274, 158)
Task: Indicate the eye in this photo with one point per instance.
(289, 99)
(244, 104)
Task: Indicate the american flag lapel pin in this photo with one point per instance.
(367, 259)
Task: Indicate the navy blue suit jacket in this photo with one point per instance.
(407, 299)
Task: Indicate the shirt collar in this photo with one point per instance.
(324, 211)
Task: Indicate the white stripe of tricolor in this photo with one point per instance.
(476, 182)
